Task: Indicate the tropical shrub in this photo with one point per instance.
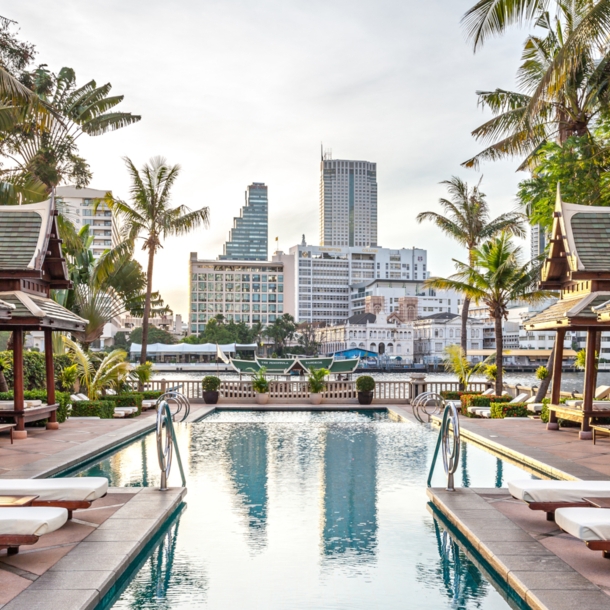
(455, 362)
(131, 399)
(453, 395)
(67, 378)
(142, 373)
(260, 384)
(478, 400)
(61, 398)
(500, 410)
(544, 414)
(93, 408)
(210, 383)
(365, 383)
(317, 380)
(542, 373)
(150, 394)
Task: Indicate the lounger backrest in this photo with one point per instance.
(519, 398)
(83, 397)
(530, 400)
(488, 392)
(603, 391)
(74, 398)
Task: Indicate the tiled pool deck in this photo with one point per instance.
(73, 568)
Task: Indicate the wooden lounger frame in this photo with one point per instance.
(12, 542)
(69, 505)
(550, 507)
(599, 545)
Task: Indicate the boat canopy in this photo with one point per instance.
(284, 366)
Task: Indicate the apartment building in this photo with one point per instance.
(319, 279)
(77, 204)
(242, 291)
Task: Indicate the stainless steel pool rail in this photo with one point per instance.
(450, 426)
(428, 404)
(181, 401)
(166, 445)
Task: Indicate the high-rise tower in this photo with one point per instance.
(348, 202)
(249, 236)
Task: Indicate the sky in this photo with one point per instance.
(242, 91)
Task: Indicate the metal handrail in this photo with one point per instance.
(451, 452)
(425, 401)
(181, 401)
(165, 449)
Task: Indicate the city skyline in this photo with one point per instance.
(374, 102)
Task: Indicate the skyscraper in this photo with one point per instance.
(348, 202)
(249, 236)
(538, 241)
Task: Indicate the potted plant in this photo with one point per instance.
(365, 386)
(260, 385)
(210, 385)
(317, 384)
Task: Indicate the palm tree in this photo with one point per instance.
(149, 217)
(496, 276)
(467, 221)
(542, 110)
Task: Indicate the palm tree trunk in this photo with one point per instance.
(546, 382)
(149, 278)
(465, 309)
(499, 354)
(3, 384)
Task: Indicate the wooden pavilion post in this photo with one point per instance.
(50, 371)
(557, 370)
(20, 431)
(589, 389)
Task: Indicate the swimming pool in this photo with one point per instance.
(306, 510)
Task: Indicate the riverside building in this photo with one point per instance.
(319, 279)
(248, 239)
(242, 291)
(77, 204)
(348, 202)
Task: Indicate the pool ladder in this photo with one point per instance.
(450, 427)
(167, 443)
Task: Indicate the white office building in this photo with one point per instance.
(77, 204)
(348, 202)
(319, 279)
(242, 291)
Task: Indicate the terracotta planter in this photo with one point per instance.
(210, 398)
(365, 398)
(316, 399)
(262, 399)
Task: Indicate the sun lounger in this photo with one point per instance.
(488, 392)
(519, 398)
(24, 525)
(551, 495)
(70, 493)
(591, 525)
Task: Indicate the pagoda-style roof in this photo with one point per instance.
(5, 310)
(35, 312)
(569, 312)
(603, 311)
(579, 245)
(30, 246)
(284, 366)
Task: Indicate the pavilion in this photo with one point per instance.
(578, 266)
(31, 265)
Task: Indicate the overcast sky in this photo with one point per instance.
(242, 91)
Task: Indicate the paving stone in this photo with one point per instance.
(73, 599)
(562, 599)
(75, 580)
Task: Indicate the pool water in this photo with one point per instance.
(306, 511)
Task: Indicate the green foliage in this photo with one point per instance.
(210, 383)
(131, 399)
(67, 378)
(4, 337)
(365, 383)
(581, 165)
(281, 332)
(221, 332)
(93, 408)
(155, 335)
(456, 362)
(453, 395)
(501, 410)
(544, 414)
(581, 359)
(542, 373)
(61, 398)
(478, 400)
(260, 384)
(142, 373)
(317, 380)
(150, 394)
(491, 371)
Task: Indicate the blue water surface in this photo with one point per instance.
(306, 511)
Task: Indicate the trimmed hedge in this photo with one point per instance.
(365, 383)
(34, 369)
(150, 394)
(477, 400)
(500, 410)
(93, 408)
(132, 399)
(62, 398)
(454, 395)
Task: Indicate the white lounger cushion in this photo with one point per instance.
(558, 491)
(76, 489)
(519, 398)
(488, 392)
(603, 391)
(31, 520)
(584, 523)
(82, 397)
